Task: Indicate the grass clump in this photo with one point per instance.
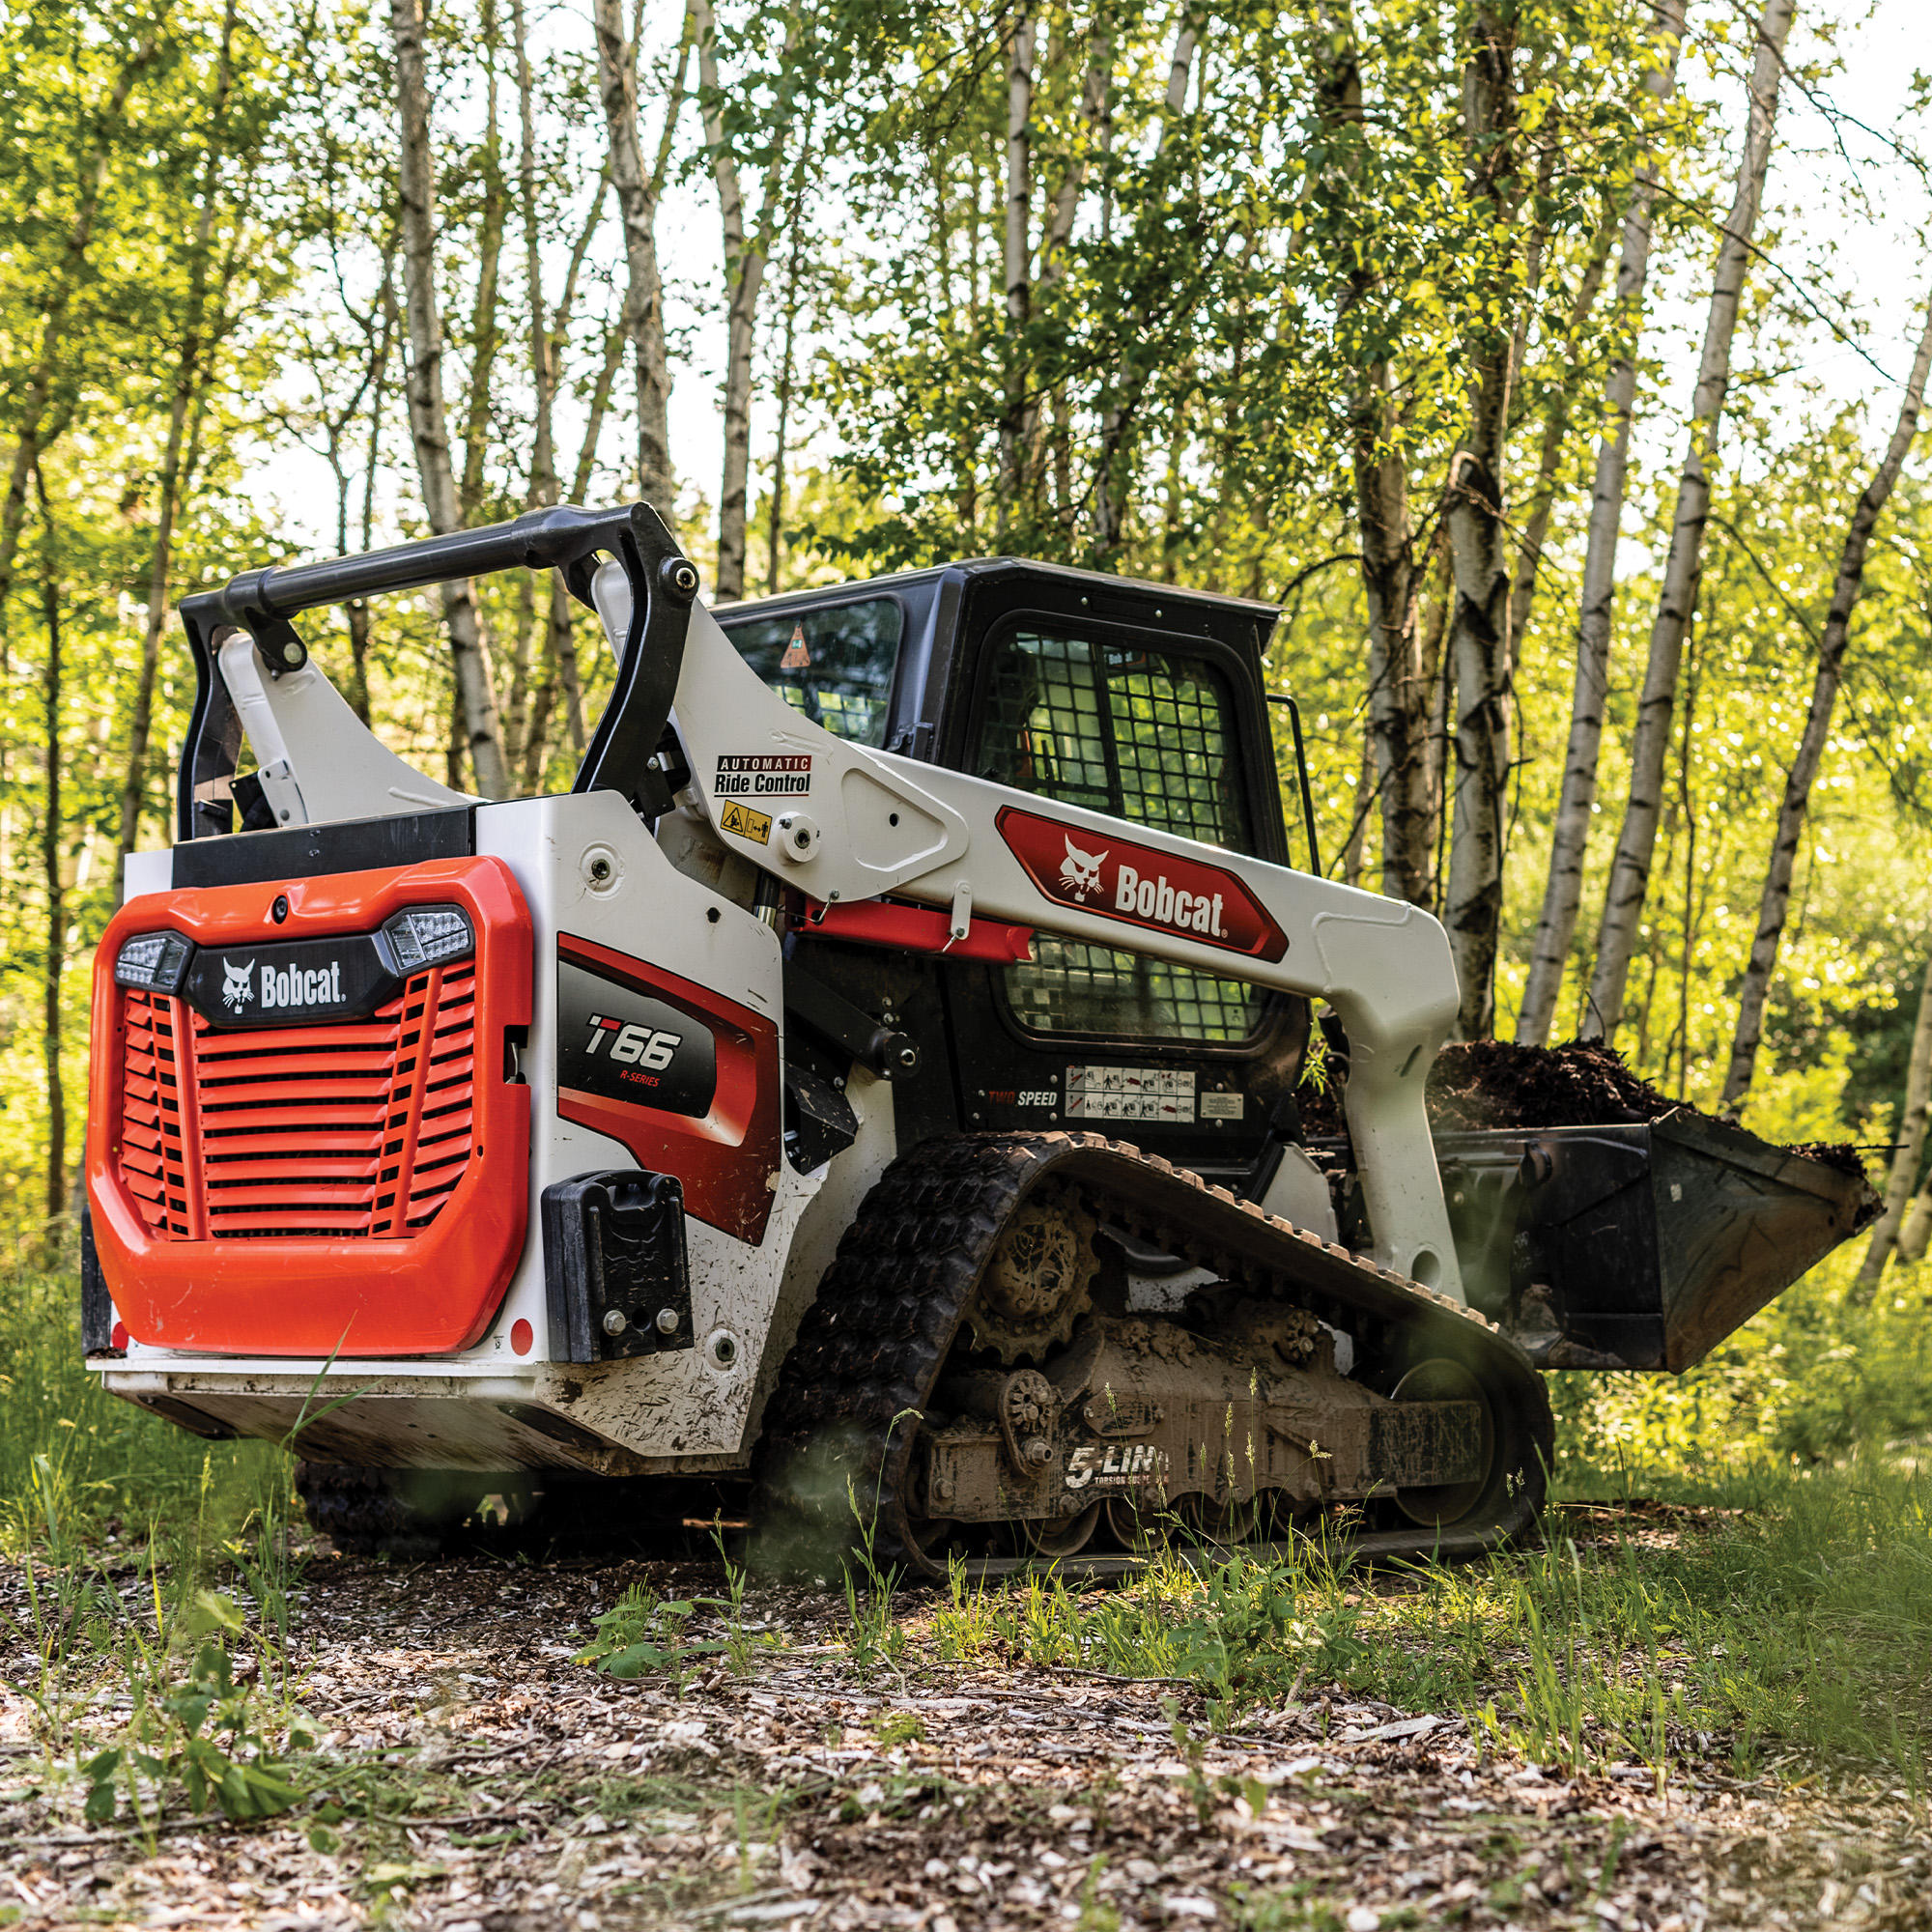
(76, 1463)
(1798, 1626)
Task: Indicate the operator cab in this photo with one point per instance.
(1139, 701)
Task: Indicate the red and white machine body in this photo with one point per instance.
(324, 1126)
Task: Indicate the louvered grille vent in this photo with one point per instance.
(339, 1131)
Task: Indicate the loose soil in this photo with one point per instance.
(792, 1787)
(1481, 1084)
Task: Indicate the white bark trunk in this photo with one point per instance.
(1556, 924)
(428, 422)
(744, 259)
(1017, 261)
(1683, 570)
(644, 300)
(1113, 482)
(1911, 1144)
(1776, 900)
(1479, 632)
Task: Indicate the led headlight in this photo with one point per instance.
(153, 962)
(428, 935)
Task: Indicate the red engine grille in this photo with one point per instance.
(355, 1129)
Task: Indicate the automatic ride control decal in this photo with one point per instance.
(1161, 891)
(764, 775)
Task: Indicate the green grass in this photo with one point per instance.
(74, 1461)
(1796, 1626)
(1801, 1630)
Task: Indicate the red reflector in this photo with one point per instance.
(522, 1337)
(119, 1338)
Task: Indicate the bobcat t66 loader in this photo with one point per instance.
(871, 1087)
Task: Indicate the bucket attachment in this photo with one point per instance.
(1639, 1246)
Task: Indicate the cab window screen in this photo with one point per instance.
(1144, 736)
(835, 664)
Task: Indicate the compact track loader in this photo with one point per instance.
(870, 1091)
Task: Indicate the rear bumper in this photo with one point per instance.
(384, 1417)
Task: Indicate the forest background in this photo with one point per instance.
(1554, 364)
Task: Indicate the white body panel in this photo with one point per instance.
(683, 1408)
(861, 823)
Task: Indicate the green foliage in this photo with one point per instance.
(1802, 1623)
(643, 1634)
(204, 1732)
(74, 1462)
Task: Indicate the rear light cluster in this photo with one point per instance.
(417, 936)
(153, 962)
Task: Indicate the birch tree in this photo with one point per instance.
(644, 300)
(1683, 570)
(429, 421)
(1479, 632)
(190, 380)
(1398, 692)
(746, 253)
(1556, 923)
(1016, 260)
(1775, 903)
(1909, 1148)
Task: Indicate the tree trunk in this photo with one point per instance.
(1556, 923)
(55, 881)
(1910, 1138)
(485, 336)
(1398, 692)
(1630, 871)
(1776, 901)
(37, 389)
(188, 374)
(1550, 455)
(428, 422)
(1017, 261)
(775, 539)
(1113, 480)
(357, 608)
(745, 260)
(1479, 632)
(643, 298)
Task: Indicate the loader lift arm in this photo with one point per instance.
(871, 823)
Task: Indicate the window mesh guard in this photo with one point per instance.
(1141, 737)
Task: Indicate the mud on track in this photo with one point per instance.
(520, 1791)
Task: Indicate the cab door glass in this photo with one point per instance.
(1141, 734)
(835, 664)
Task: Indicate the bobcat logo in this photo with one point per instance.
(235, 990)
(1080, 871)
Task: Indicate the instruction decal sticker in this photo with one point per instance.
(1161, 891)
(763, 774)
(742, 822)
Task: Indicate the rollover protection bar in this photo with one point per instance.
(263, 603)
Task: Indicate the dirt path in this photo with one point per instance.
(786, 1786)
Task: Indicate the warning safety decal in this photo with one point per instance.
(743, 823)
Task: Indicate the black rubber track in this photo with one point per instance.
(842, 1423)
(363, 1511)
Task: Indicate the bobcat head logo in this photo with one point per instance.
(236, 990)
(1080, 871)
